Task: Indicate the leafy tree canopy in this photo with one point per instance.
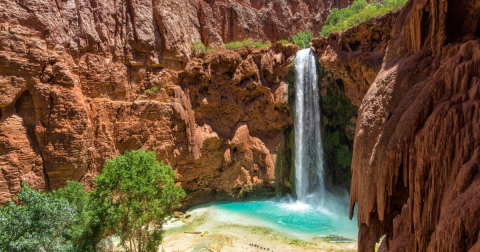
(133, 197)
(39, 223)
(84, 233)
(135, 194)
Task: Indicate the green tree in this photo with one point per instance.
(134, 195)
(358, 5)
(39, 223)
(302, 39)
(85, 233)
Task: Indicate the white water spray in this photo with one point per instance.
(308, 155)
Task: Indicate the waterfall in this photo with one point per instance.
(308, 151)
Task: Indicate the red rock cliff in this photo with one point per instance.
(416, 175)
(82, 81)
(159, 33)
(217, 122)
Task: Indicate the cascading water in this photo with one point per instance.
(315, 213)
(308, 155)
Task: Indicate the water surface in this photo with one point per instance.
(286, 216)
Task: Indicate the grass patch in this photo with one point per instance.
(237, 44)
(286, 42)
(152, 90)
(199, 47)
(359, 12)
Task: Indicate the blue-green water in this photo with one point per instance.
(288, 216)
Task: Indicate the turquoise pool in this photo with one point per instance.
(288, 216)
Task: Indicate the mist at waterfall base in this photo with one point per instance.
(312, 211)
(287, 215)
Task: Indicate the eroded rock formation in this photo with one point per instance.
(82, 81)
(415, 166)
(63, 115)
(160, 33)
(354, 56)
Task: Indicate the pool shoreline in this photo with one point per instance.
(226, 226)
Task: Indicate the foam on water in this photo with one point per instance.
(285, 215)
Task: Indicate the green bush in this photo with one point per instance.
(237, 44)
(359, 12)
(134, 195)
(40, 222)
(302, 39)
(284, 41)
(199, 47)
(152, 90)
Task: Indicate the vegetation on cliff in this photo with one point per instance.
(199, 47)
(132, 199)
(338, 122)
(359, 12)
(237, 44)
(301, 39)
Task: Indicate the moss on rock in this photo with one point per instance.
(339, 118)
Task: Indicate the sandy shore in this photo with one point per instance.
(201, 232)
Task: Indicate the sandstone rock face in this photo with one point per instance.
(350, 60)
(355, 55)
(82, 81)
(415, 166)
(62, 115)
(160, 33)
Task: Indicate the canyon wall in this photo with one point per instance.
(416, 176)
(160, 33)
(83, 81)
(349, 61)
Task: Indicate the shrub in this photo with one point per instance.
(302, 39)
(237, 44)
(359, 12)
(199, 47)
(39, 223)
(284, 41)
(135, 194)
(152, 90)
